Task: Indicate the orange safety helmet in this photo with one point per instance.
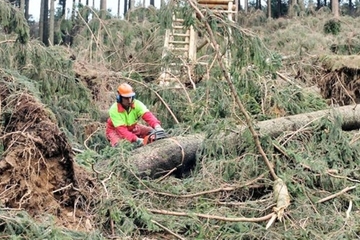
(125, 90)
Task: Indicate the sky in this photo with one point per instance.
(34, 6)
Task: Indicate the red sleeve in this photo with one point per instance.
(125, 133)
(150, 119)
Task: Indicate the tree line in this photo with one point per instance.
(51, 13)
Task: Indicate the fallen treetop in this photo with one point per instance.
(178, 154)
(336, 62)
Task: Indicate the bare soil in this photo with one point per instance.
(38, 172)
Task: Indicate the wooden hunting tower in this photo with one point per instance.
(182, 41)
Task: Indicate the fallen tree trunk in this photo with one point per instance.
(178, 154)
(175, 154)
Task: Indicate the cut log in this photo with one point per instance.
(161, 157)
(171, 154)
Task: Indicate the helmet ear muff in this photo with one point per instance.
(118, 98)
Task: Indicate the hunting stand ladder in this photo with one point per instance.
(181, 42)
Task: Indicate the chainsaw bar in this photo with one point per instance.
(154, 136)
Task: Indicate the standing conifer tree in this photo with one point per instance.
(125, 6)
(41, 20)
(103, 9)
(52, 21)
(335, 8)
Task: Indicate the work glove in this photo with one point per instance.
(139, 142)
(158, 128)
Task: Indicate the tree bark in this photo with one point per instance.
(46, 23)
(73, 11)
(118, 9)
(158, 158)
(27, 9)
(41, 21)
(131, 4)
(22, 6)
(63, 7)
(103, 9)
(335, 8)
(125, 6)
(164, 156)
(52, 22)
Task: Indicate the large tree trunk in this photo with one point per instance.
(125, 6)
(118, 9)
(52, 22)
(103, 9)
(41, 21)
(163, 156)
(27, 9)
(63, 7)
(22, 6)
(335, 8)
(131, 4)
(46, 22)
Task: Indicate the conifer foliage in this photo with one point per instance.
(57, 167)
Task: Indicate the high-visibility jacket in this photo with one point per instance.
(124, 121)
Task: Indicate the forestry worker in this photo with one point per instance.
(124, 116)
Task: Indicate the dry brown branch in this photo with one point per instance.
(336, 194)
(299, 130)
(182, 87)
(343, 177)
(168, 230)
(140, 181)
(7, 41)
(189, 73)
(228, 188)
(107, 32)
(92, 33)
(103, 183)
(76, 150)
(349, 209)
(355, 139)
(242, 205)
(167, 174)
(97, 173)
(11, 209)
(207, 216)
(344, 88)
(288, 80)
(87, 139)
(63, 188)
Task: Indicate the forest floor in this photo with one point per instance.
(39, 161)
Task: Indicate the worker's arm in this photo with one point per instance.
(150, 119)
(145, 114)
(126, 134)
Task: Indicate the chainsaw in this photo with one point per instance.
(154, 136)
